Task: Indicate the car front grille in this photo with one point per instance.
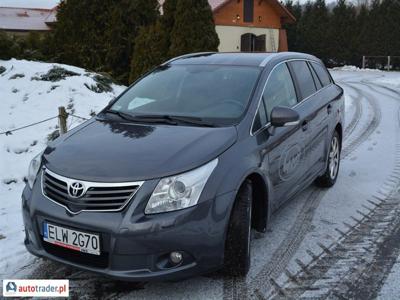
(93, 196)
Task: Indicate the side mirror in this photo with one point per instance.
(284, 116)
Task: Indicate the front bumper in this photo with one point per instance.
(135, 246)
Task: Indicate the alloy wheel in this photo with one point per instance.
(334, 156)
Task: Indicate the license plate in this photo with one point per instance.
(71, 239)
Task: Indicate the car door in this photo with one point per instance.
(284, 149)
(316, 112)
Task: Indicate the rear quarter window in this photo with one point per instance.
(304, 78)
(322, 73)
(316, 79)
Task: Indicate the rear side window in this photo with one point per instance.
(304, 78)
(322, 73)
(279, 90)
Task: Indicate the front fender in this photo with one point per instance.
(231, 172)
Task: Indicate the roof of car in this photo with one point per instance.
(237, 58)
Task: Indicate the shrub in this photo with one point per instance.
(8, 46)
(103, 84)
(16, 76)
(55, 74)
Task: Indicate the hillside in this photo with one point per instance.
(31, 92)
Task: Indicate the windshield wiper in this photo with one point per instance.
(133, 118)
(168, 119)
(183, 119)
(122, 115)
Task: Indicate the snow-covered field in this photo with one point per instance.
(25, 100)
(370, 171)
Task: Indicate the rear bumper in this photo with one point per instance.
(134, 246)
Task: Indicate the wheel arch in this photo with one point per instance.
(261, 199)
(339, 130)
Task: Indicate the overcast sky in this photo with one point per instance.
(52, 3)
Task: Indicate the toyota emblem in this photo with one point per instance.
(76, 190)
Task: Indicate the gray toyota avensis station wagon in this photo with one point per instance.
(169, 179)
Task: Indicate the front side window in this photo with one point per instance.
(261, 117)
(279, 90)
(214, 93)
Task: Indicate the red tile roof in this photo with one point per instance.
(216, 4)
(26, 19)
(213, 3)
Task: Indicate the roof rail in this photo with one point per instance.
(186, 56)
(266, 60)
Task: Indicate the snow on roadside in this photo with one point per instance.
(391, 78)
(354, 68)
(24, 100)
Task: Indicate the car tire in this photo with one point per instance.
(237, 247)
(328, 179)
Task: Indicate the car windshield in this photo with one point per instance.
(210, 93)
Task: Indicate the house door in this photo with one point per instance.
(253, 43)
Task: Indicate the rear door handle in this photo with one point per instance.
(304, 125)
(329, 108)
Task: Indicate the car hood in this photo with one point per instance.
(109, 151)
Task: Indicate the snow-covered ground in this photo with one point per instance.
(299, 231)
(24, 100)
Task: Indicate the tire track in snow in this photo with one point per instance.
(377, 88)
(355, 119)
(369, 126)
(356, 265)
(238, 288)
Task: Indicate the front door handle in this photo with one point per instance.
(304, 125)
(329, 108)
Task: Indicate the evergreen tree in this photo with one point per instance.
(153, 42)
(291, 29)
(313, 28)
(79, 32)
(194, 28)
(167, 24)
(342, 33)
(390, 27)
(127, 17)
(9, 48)
(149, 50)
(360, 36)
(374, 28)
(169, 11)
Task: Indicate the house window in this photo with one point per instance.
(253, 43)
(248, 11)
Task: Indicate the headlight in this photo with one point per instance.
(180, 191)
(34, 169)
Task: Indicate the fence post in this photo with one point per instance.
(388, 65)
(62, 120)
(363, 62)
